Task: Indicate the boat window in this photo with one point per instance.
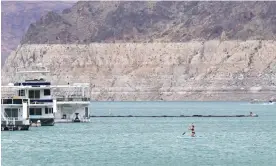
(31, 94)
(35, 111)
(11, 112)
(34, 94)
(37, 94)
(38, 111)
(86, 112)
(7, 101)
(46, 110)
(31, 111)
(21, 92)
(17, 101)
(47, 92)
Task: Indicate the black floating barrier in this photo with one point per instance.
(164, 116)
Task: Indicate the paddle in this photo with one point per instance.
(184, 133)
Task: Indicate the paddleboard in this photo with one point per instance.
(189, 137)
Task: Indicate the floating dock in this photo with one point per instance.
(181, 116)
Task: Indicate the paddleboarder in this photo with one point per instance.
(192, 128)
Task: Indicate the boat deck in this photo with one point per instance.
(71, 121)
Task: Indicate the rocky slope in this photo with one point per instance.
(88, 22)
(162, 50)
(16, 18)
(212, 70)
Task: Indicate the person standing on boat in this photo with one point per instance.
(192, 128)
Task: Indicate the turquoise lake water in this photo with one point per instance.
(150, 141)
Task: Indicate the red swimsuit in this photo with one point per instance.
(193, 129)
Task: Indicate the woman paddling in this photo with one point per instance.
(192, 128)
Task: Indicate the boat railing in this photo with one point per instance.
(41, 101)
(8, 95)
(73, 99)
(10, 120)
(40, 98)
(13, 118)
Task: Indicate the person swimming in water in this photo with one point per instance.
(192, 128)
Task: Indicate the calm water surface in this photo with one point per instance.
(150, 141)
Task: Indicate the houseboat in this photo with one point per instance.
(32, 99)
(43, 103)
(14, 114)
(72, 102)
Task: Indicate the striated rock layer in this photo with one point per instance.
(195, 70)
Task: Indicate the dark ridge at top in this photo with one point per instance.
(88, 22)
(17, 17)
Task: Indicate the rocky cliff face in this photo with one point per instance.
(156, 51)
(212, 70)
(88, 22)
